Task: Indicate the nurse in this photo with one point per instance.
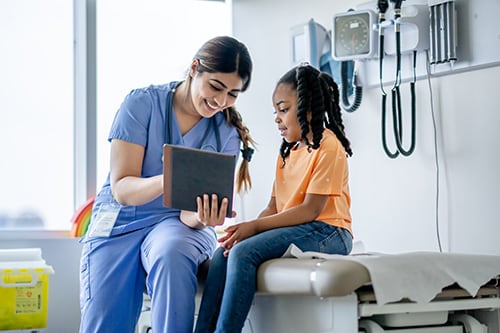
(134, 242)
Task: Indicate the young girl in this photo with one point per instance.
(133, 240)
(309, 204)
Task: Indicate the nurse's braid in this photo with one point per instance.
(243, 181)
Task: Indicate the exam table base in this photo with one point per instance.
(300, 314)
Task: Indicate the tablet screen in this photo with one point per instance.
(190, 172)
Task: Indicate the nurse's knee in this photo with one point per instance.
(168, 255)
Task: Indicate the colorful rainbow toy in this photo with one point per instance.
(81, 219)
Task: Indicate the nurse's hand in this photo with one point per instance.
(209, 213)
(191, 219)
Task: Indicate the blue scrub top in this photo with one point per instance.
(142, 119)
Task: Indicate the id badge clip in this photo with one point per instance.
(105, 219)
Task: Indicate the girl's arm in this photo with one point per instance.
(270, 209)
(127, 185)
(307, 211)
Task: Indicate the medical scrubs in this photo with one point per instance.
(149, 247)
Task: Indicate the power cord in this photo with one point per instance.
(436, 151)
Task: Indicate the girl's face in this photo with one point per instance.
(213, 92)
(285, 106)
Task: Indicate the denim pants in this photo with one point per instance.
(231, 281)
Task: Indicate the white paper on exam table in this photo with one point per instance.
(418, 276)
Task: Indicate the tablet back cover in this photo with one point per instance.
(189, 172)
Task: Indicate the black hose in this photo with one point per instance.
(358, 90)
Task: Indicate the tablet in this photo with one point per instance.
(189, 173)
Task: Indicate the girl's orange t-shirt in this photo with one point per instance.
(318, 171)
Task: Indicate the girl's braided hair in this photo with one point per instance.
(317, 95)
(224, 54)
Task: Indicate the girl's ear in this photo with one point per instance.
(193, 67)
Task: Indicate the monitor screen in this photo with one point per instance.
(298, 49)
(308, 42)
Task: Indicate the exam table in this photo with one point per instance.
(420, 292)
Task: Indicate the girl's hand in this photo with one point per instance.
(236, 233)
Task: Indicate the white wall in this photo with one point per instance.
(393, 201)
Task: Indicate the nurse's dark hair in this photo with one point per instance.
(224, 54)
(317, 95)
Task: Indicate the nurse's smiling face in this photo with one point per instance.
(213, 92)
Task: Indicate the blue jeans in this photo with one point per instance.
(231, 281)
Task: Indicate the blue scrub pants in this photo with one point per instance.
(164, 258)
(231, 282)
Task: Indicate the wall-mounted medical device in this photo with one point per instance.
(413, 24)
(451, 48)
(386, 30)
(308, 43)
(354, 36)
(356, 32)
(405, 29)
(311, 42)
(443, 28)
(392, 42)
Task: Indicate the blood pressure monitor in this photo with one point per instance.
(353, 35)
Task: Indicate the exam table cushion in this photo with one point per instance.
(318, 277)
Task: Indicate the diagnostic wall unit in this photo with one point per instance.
(477, 42)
